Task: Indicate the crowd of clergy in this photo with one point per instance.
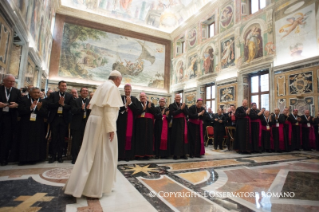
(143, 130)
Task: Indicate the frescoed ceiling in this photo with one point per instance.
(163, 15)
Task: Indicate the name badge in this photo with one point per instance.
(268, 128)
(277, 124)
(308, 125)
(84, 114)
(33, 117)
(5, 109)
(297, 123)
(143, 115)
(60, 110)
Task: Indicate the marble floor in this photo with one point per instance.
(219, 181)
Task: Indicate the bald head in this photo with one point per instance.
(277, 111)
(74, 93)
(245, 103)
(307, 113)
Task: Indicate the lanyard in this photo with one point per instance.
(32, 103)
(7, 95)
(84, 103)
(62, 95)
(294, 116)
(267, 120)
(178, 107)
(143, 105)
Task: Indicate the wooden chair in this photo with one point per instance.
(231, 131)
(210, 134)
(225, 136)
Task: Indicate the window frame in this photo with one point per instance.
(211, 98)
(209, 32)
(259, 93)
(251, 8)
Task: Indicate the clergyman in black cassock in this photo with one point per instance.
(10, 98)
(32, 142)
(197, 114)
(266, 131)
(295, 121)
(158, 125)
(255, 117)
(162, 146)
(59, 105)
(126, 124)
(316, 127)
(144, 130)
(287, 129)
(80, 113)
(179, 139)
(219, 129)
(308, 135)
(242, 142)
(277, 127)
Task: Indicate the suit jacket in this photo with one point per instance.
(78, 122)
(15, 96)
(133, 106)
(53, 105)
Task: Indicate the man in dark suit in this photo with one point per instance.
(80, 113)
(10, 98)
(59, 104)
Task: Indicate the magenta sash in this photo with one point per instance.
(258, 121)
(163, 145)
(200, 123)
(129, 129)
(281, 138)
(147, 115)
(181, 115)
(271, 138)
(312, 138)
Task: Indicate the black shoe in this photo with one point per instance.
(51, 160)
(60, 160)
(191, 156)
(175, 158)
(156, 157)
(73, 161)
(146, 157)
(185, 157)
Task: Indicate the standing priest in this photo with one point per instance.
(161, 131)
(308, 134)
(144, 130)
(242, 139)
(125, 124)
(80, 112)
(179, 140)
(255, 117)
(197, 115)
(219, 128)
(94, 172)
(277, 127)
(295, 121)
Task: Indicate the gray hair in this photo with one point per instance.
(7, 76)
(34, 88)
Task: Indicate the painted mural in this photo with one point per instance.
(15, 61)
(227, 94)
(178, 73)
(29, 75)
(5, 43)
(208, 60)
(192, 38)
(192, 68)
(226, 18)
(253, 43)
(92, 54)
(300, 83)
(228, 53)
(295, 37)
(165, 15)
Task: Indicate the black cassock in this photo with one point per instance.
(316, 127)
(255, 130)
(194, 132)
(158, 132)
(179, 146)
(242, 136)
(266, 133)
(32, 142)
(144, 131)
(219, 130)
(126, 153)
(296, 129)
(306, 132)
(278, 127)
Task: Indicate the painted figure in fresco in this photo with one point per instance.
(228, 54)
(192, 69)
(294, 22)
(253, 44)
(209, 60)
(296, 50)
(179, 72)
(192, 37)
(226, 16)
(270, 48)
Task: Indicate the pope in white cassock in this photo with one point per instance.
(94, 172)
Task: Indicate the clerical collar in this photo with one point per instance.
(61, 94)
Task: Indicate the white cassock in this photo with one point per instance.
(94, 172)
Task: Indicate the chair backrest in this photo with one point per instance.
(210, 131)
(226, 130)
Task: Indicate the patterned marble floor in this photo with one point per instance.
(219, 181)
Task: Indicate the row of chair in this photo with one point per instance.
(228, 136)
